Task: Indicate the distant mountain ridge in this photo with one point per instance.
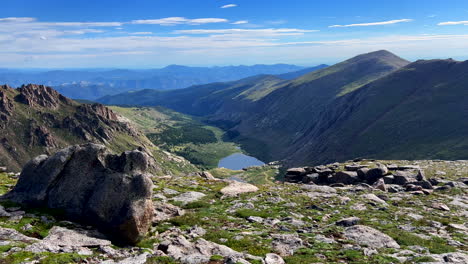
(92, 84)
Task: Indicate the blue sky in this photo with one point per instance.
(156, 33)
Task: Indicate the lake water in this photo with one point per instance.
(238, 161)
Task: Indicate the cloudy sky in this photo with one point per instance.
(156, 33)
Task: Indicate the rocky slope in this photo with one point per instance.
(201, 219)
(37, 119)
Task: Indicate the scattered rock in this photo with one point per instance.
(189, 197)
(164, 211)
(61, 239)
(373, 198)
(207, 175)
(235, 188)
(350, 221)
(177, 246)
(8, 234)
(139, 259)
(255, 219)
(440, 206)
(376, 173)
(318, 188)
(345, 177)
(367, 236)
(286, 244)
(380, 185)
(272, 258)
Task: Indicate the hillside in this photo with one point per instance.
(38, 120)
(419, 111)
(201, 100)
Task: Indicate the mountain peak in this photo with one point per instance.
(383, 56)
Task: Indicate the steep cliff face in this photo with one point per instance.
(36, 119)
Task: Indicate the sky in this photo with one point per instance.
(157, 33)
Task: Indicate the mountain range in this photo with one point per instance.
(92, 84)
(375, 105)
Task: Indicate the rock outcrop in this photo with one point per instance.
(36, 119)
(410, 177)
(111, 192)
(40, 95)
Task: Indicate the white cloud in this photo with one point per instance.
(229, 6)
(82, 24)
(240, 22)
(239, 31)
(17, 19)
(390, 22)
(451, 23)
(171, 21)
(141, 33)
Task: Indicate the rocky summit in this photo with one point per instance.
(90, 185)
(362, 211)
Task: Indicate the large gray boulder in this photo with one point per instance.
(370, 237)
(345, 177)
(91, 185)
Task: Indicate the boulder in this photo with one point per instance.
(3, 169)
(350, 221)
(286, 244)
(345, 177)
(93, 186)
(362, 173)
(164, 211)
(380, 185)
(235, 188)
(177, 246)
(374, 174)
(295, 174)
(8, 234)
(424, 184)
(403, 177)
(368, 236)
(61, 239)
(189, 197)
(373, 198)
(311, 178)
(272, 258)
(207, 175)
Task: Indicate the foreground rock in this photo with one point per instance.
(176, 245)
(111, 192)
(61, 239)
(8, 234)
(368, 236)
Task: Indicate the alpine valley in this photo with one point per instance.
(365, 162)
